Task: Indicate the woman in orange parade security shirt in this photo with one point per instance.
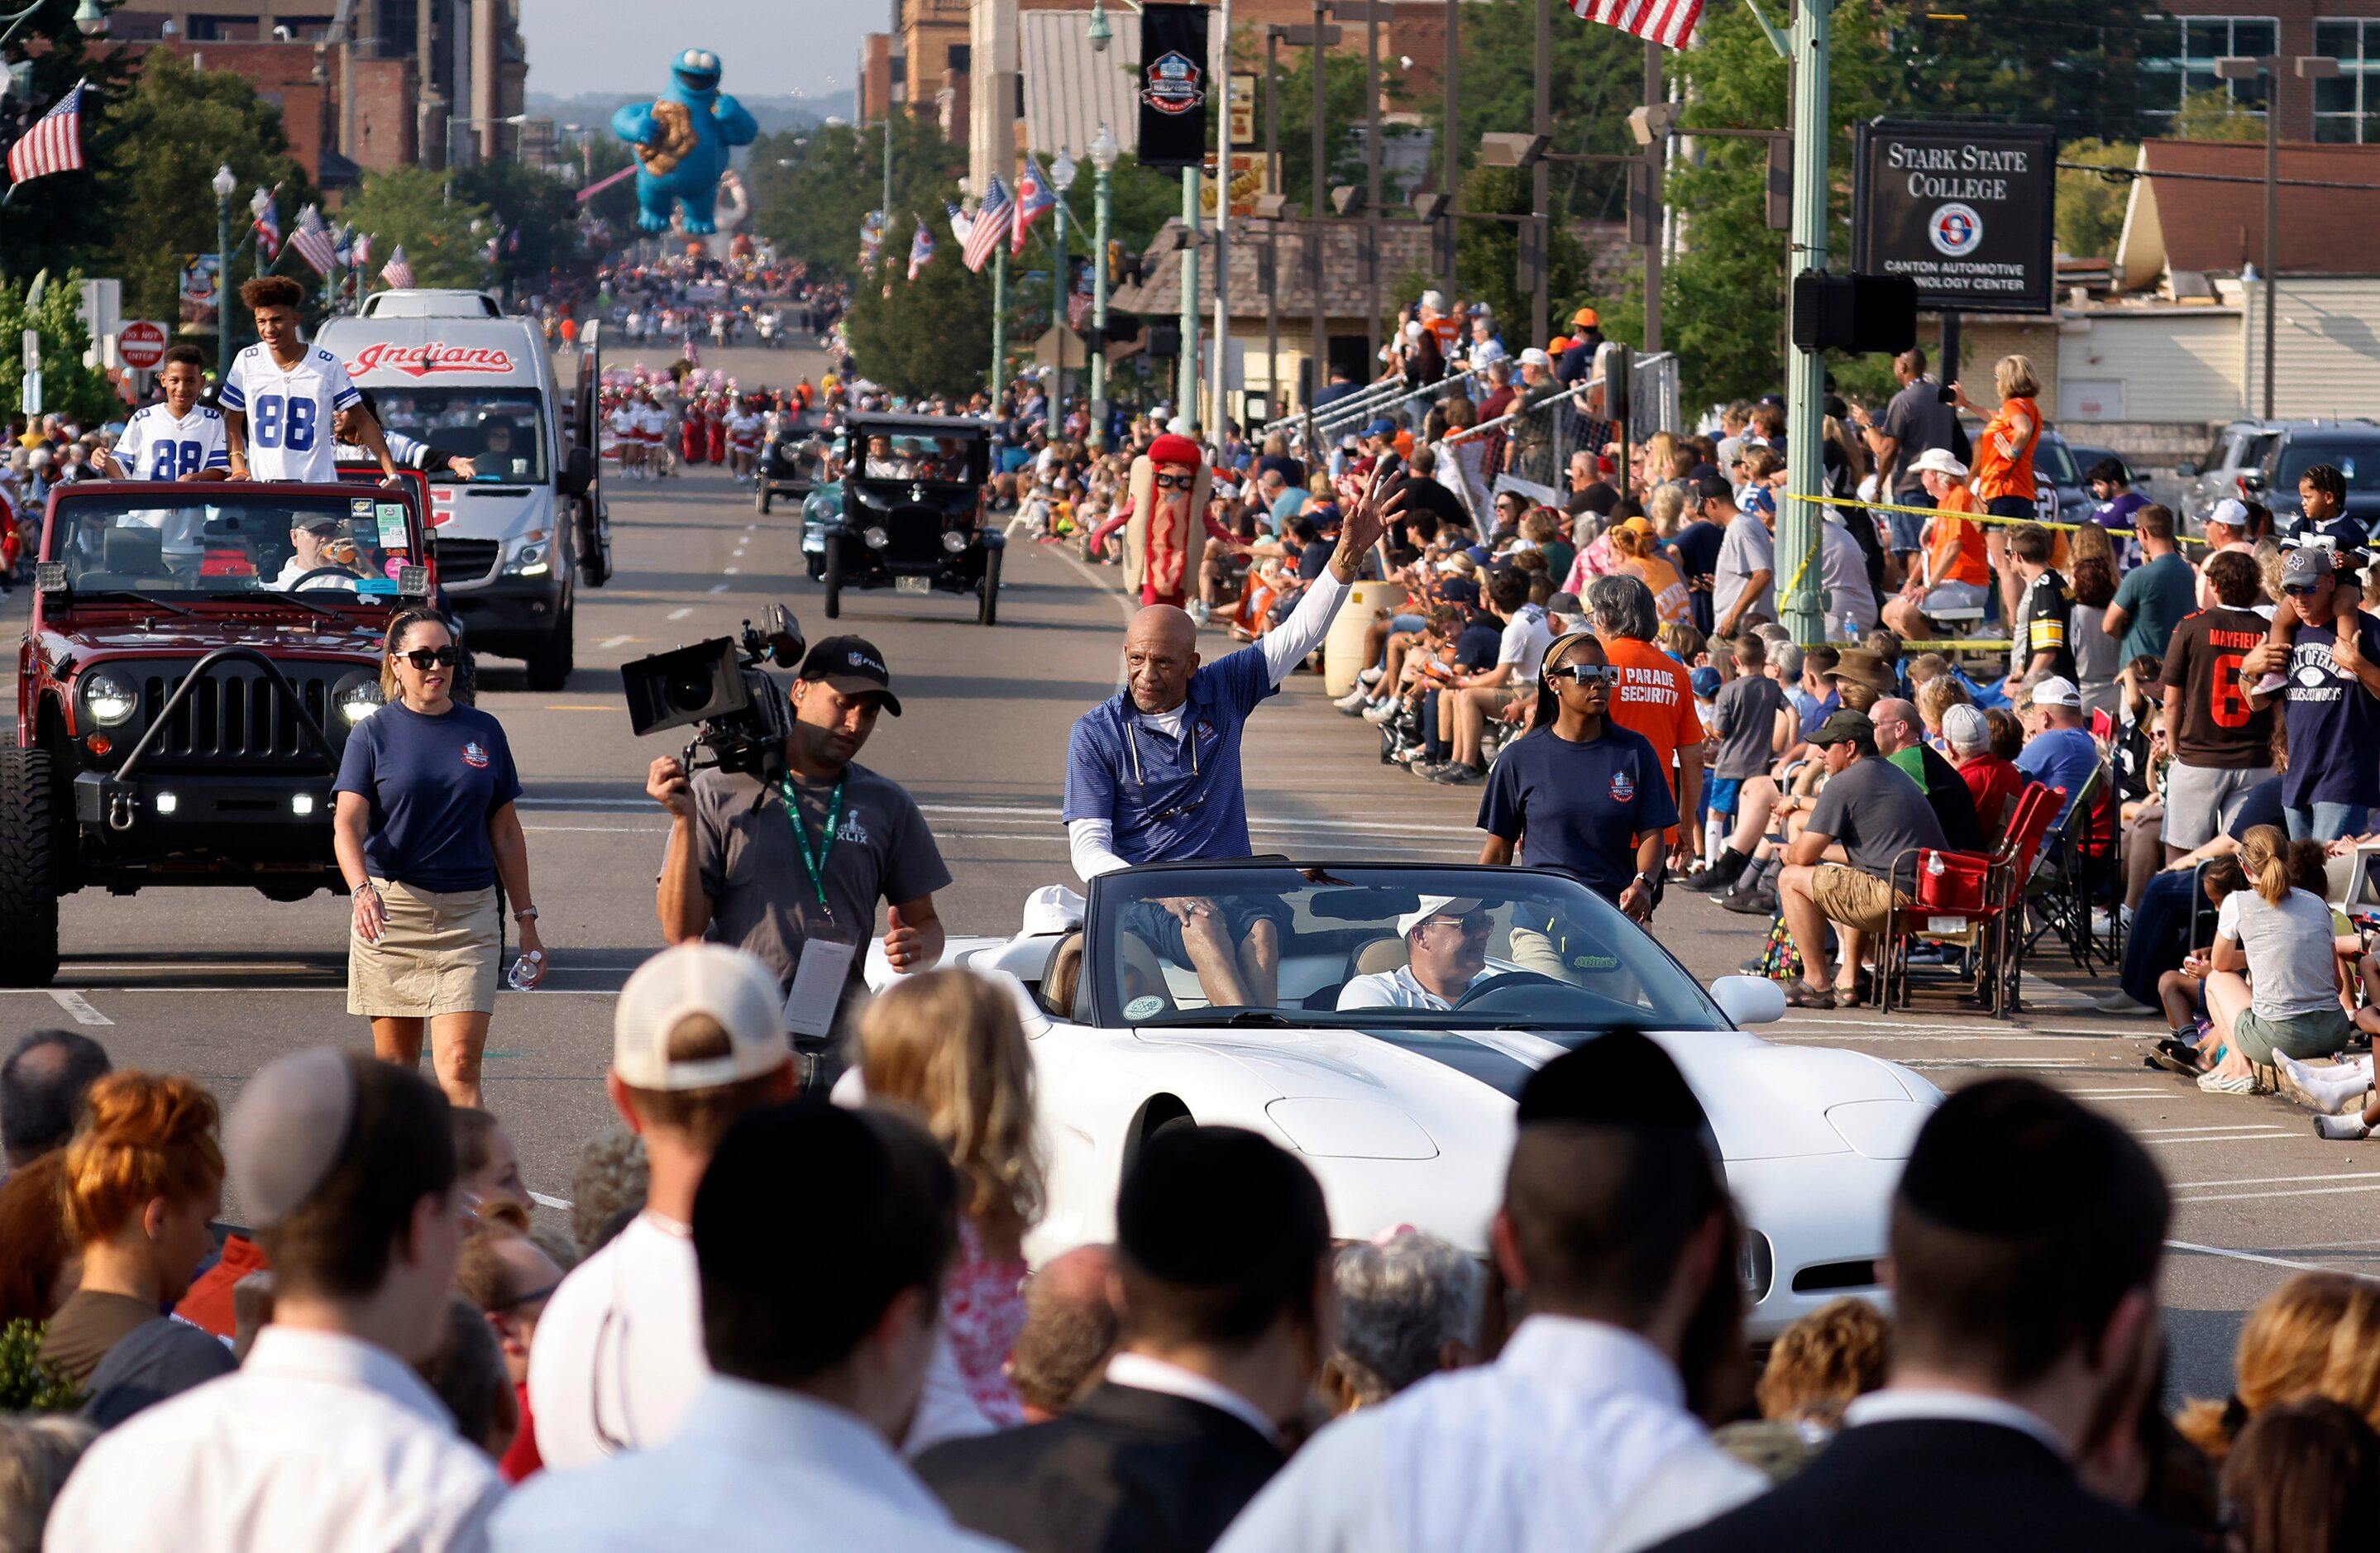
(2003, 473)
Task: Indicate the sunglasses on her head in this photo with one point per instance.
(425, 656)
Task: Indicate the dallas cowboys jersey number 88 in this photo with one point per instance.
(158, 445)
(290, 411)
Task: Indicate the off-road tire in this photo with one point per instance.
(28, 868)
(760, 496)
(550, 665)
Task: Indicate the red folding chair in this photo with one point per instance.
(1964, 897)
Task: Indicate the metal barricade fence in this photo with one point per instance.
(1392, 398)
(1531, 449)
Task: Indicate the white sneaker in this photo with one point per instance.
(1354, 701)
(2226, 1084)
(1199, 613)
(1380, 711)
(1370, 675)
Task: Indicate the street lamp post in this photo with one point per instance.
(1104, 151)
(2238, 68)
(222, 184)
(1061, 177)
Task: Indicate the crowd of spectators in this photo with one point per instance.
(393, 1351)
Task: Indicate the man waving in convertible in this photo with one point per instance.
(1153, 775)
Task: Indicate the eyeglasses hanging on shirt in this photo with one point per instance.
(1140, 777)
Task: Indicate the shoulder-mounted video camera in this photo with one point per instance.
(718, 686)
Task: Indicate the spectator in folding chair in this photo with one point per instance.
(2058, 750)
(1850, 865)
(1992, 778)
(1901, 739)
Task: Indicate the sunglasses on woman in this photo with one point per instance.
(427, 657)
(1587, 674)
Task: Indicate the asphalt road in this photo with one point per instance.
(215, 983)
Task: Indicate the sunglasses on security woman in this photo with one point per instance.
(424, 657)
(1587, 673)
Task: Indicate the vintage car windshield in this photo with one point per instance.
(253, 542)
(952, 460)
(502, 430)
(1515, 949)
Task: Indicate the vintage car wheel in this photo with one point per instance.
(988, 611)
(550, 665)
(29, 868)
(833, 579)
(760, 494)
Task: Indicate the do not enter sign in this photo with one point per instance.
(141, 345)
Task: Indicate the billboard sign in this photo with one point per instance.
(1966, 210)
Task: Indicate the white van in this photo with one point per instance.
(514, 543)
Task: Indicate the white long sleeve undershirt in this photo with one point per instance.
(1090, 842)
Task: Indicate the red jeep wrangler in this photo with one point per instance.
(197, 652)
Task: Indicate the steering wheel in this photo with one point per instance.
(1502, 979)
(320, 572)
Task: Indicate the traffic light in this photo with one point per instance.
(1164, 341)
(1857, 313)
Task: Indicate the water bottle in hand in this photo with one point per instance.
(523, 973)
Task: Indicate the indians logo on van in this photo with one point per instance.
(425, 360)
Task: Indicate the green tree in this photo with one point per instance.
(1487, 253)
(536, 208)
(1596, 75)
(2090, 206)
(188, 122)
(2212, 114)
(26, 1385)
(929, 335)
(810, 188)
(409, 208)
(2049, 62)
(66, 218)
(48, 304)
(1723, 297)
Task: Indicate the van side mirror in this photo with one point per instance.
(577, 471)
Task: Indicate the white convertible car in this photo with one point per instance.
(1280, 998)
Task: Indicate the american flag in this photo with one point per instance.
(1033, 197)
(1670, 23)
(921, 248)
(396, 272)
(53, 145)
(267, 221)
(361, 254)
(313, 242)
(990, 225)
(961, 224)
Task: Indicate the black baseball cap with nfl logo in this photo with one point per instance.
(852, 665)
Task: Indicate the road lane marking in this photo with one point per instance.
(2260, 1197)
(79, 1007)
(681, 614)
(2226, 1127)
(2276, 1180)
(616, 641)
(2267, 1261)
(543, 1201)
(575, 706)
(731, 571)
(719, 587)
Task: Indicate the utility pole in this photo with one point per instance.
(1103, 159)
(1798, 527)
(999, 316)
(1448, 179)
(1321, 372)
(1270, 207)
(1656, 154)
(1185, 370)
(1541, 188)
(2308, 67)
(1217, 394)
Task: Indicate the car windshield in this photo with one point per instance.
(502, 430)
(2052, 458)
(244, 545)
(954, 459)
(1367, 946)
(2359, 461)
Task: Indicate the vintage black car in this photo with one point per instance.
(913, 515)
(792, 461)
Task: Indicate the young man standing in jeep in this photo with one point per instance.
(282, 398)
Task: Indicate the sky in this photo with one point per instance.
(765, 46)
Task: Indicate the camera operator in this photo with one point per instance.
(792, 868)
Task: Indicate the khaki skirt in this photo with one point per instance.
(437, 955)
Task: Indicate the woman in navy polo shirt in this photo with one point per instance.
(424, 828)
(1580, 793)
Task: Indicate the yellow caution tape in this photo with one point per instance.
(1972, 516)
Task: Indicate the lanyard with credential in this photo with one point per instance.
(815, 865)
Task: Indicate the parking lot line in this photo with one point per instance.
(79, 1007)
(2263, 1197)
(2276, 1180)
(2260, 1257)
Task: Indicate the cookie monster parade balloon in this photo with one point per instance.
(682, 142)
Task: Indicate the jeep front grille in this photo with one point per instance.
(467, 559)
(236, 716)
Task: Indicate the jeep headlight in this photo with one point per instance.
(108, 699)
(359, 700)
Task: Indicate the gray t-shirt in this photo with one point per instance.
(761, 898)
(1878, 813)
(1918, 421)
(1748, 547)
(1744, 717)
(2288, 951)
